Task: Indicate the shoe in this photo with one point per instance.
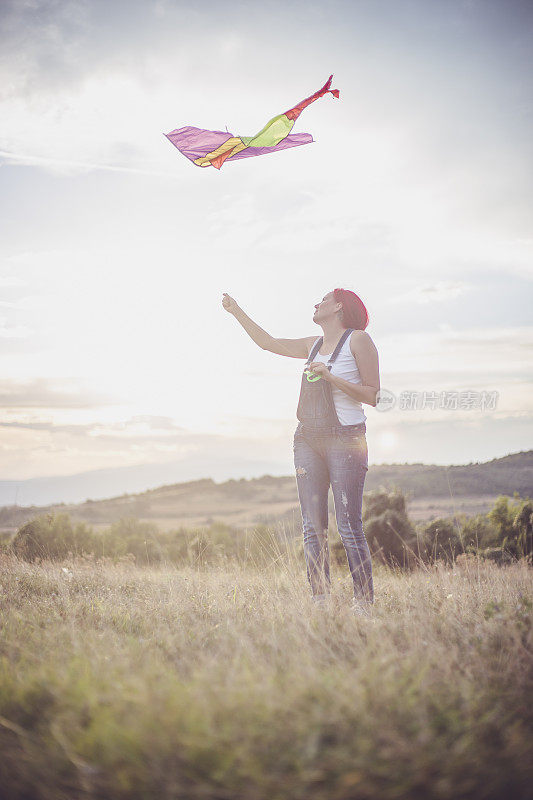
(321, 600)
(361, 608)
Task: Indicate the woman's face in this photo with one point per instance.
(326, 307)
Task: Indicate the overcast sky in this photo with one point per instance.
(115, 250)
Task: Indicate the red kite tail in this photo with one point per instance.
(295, 112)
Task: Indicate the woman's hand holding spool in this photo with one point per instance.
(319, 368)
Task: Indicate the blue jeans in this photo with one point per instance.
(336, 455)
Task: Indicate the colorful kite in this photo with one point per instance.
(213, 148)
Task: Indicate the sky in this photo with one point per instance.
(115, 250)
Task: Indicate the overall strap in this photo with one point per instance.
(319, 343)
(316, 347)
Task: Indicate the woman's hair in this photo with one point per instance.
(354, 313)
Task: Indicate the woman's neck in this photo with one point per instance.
(331, 333)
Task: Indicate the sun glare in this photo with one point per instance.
(387, 440)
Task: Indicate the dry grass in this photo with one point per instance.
(225, 682)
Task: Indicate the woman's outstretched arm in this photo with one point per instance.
(294, 348)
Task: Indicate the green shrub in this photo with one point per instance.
(130, 535)
(55, 537)
(513, 521)
(390, 535)
(478, 532)
(52, 536)
(441, 539)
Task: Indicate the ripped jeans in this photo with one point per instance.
(338, 455)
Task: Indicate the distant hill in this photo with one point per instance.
(499, 476)
(433, 490)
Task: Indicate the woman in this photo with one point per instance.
(342, 373)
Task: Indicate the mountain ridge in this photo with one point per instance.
(431, 488)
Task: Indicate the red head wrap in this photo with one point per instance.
(354, 313)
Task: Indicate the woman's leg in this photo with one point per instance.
(348, 465)
(312, 478)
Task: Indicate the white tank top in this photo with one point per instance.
(349, 411)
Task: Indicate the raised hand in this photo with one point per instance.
(229, 303)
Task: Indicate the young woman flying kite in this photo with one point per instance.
(330, 445)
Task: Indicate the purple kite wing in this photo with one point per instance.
(292, 140)
(197, 142)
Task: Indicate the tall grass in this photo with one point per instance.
(223, 681)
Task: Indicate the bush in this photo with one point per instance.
(55, 537)
(389, 532)
(130, 535)
(441, 539)
(52, 536)
(513, 521)
(478, 532)
(498, 555)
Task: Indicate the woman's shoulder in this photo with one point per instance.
(360, 341)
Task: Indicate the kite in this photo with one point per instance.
(212, 148)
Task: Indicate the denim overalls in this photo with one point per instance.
(329, 453)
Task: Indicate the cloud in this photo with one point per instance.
(39, 42)
(11, 281)
(8, 331)
(47, 393)
(430, 293)
(49, 427)
(142, 427)
(28, 303)
(68, 166)
(499, 352)
(156, 423)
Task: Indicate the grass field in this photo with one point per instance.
(225, 682)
